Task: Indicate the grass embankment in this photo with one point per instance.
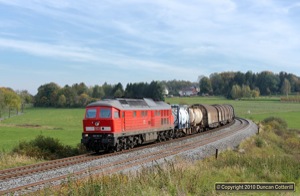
(271, 156)
(10, 160)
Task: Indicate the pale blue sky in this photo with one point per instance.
(72, 41)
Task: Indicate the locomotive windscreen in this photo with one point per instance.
(91, 113)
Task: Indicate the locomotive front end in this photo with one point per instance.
(99, 125)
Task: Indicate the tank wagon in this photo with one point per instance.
(117, 124)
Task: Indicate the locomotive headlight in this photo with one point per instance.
(109, 135)
(97, 123)
(86, 135)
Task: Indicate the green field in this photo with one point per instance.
(66, 124)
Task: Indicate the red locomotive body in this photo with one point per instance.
(117, 124)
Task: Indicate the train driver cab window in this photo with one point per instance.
(105, 113)
(116, 114)
(91, 113)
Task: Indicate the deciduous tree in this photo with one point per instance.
(286, 87)
(11, 99)
(205, 86)
(236, 92)
(47, 95)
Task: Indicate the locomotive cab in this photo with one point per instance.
(102, 119)
(99, 126)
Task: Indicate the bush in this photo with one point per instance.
(276, 123)
(47, 148)
(259, 142)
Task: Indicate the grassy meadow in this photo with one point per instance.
(64, 124)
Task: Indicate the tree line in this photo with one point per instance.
(237, 84)
(232, 85)
(79, 95)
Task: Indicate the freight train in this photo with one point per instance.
(117, 124)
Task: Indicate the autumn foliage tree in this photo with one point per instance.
(9, 100)
(286, 87)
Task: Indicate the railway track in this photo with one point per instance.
(18, 179)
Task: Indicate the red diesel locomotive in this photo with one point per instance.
(116, 124)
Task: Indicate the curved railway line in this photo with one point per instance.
(26, 179)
